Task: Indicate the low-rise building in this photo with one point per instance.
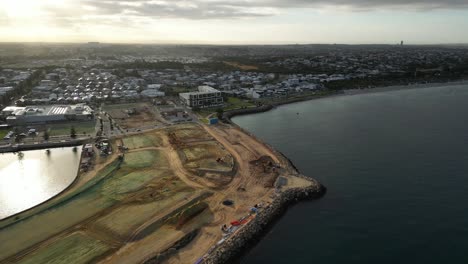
(5, 90)
(47, 114)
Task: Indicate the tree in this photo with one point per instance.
(72, 132)
(219, 113)
(46, 134)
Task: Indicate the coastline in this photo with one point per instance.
(403, 87)
(237, 246)
(267, 107)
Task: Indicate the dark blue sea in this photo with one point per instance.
(396, 168)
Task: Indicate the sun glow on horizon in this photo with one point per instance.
(20, 8)
(222, 22)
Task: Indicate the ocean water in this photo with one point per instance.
(396, 168)
(34, 177)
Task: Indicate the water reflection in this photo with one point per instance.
(32, 177)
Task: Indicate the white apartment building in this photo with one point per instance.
(206, 97)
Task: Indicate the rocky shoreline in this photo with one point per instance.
(248, 236)
(236, 246)
(260, 109)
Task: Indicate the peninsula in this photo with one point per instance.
(188, 193)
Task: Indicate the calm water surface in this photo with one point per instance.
(33, 178)
(396, 168)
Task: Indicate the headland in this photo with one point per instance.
(187, 193)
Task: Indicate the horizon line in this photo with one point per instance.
(229, 44)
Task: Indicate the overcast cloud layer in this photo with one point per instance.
(225, 21)
(206, 9)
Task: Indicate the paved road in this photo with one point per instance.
(107, 131)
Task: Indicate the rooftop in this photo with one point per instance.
(80, 109)
(201, 90)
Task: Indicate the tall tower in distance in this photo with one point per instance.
(402, 43)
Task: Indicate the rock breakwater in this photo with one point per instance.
(249, 235)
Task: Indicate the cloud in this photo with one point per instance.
(208, 9)
(128, 13)
(199, 9)
(416, 4)
(226, 20)
(4, 20)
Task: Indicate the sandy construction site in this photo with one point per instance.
(162, 199)
(134, 115)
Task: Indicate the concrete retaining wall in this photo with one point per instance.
(230, 114)
(25, 147)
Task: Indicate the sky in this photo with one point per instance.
(235, 22)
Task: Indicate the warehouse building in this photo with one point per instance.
(206, 97)
(47, 114)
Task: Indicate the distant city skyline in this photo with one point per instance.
(235, 22)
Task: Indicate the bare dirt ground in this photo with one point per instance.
(135, 115)
(241, 66)
(155, 198)
(246, 189)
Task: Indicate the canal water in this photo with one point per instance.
(33, 177)
(396, 168)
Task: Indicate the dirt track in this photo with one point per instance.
(244, 149)
(246, 189)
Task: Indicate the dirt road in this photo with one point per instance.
(246, 185)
